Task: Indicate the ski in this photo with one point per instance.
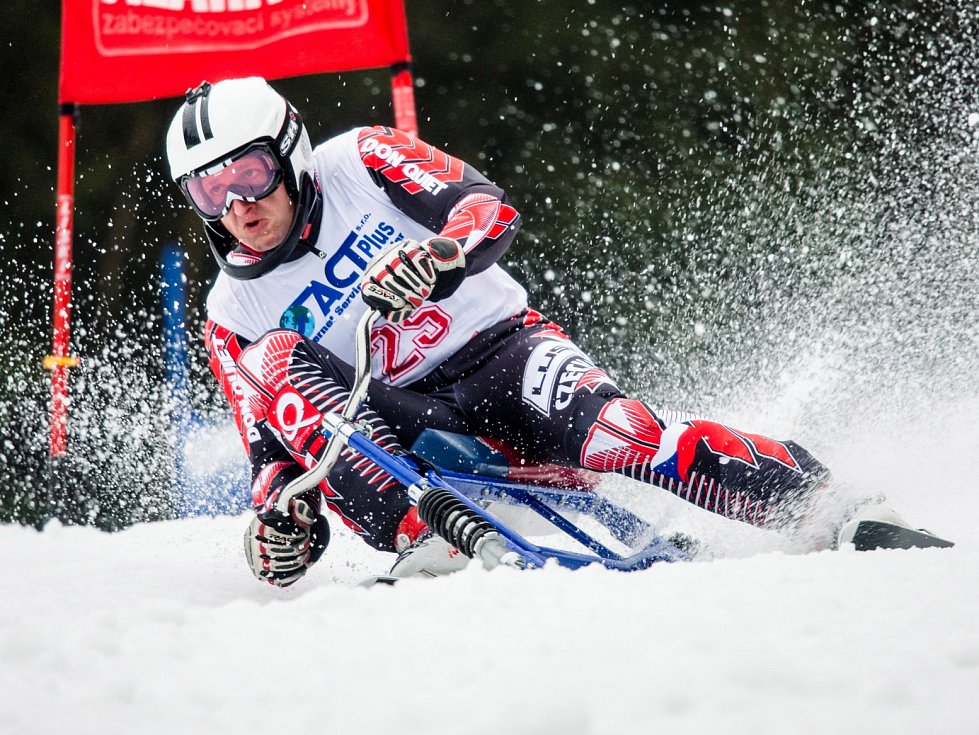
(872, 535)
(385, 579)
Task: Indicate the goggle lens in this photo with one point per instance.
(250, 177)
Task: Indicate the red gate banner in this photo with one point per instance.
(131, 50)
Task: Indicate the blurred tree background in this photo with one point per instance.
(667, 157)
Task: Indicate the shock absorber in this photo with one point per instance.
(465, 529)
(454, 521)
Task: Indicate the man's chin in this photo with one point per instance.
(262, 246)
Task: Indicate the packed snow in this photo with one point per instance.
(161, 628)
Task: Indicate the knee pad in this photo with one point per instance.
(264, 367)
(625, 432)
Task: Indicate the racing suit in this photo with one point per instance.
(478, 361)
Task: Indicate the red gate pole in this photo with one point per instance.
(59, 361)
(403, 98)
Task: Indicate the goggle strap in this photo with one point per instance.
(288, 137)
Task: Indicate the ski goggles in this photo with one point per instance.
(251, 176)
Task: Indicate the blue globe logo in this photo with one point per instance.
(298, 319)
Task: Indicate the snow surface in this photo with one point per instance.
(161, 629)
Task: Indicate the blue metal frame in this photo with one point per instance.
(622, 524)
(473, 489)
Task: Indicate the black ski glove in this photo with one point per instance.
(401, 279)
(280, 548)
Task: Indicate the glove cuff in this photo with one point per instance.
(320, 538)
(450, 266)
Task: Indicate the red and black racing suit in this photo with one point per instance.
(521, 380)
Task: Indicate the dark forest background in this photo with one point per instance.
(668, 159)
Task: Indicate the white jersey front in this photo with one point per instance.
(320, 296)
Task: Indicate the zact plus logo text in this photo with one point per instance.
(315, 310)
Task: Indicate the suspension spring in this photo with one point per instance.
(453, 520)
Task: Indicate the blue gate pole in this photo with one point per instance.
(173, 299)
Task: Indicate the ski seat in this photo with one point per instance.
(478, 455)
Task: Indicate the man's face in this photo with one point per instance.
(262, 225)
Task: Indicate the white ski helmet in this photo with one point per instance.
(219, 123)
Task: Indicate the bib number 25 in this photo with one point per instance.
(401, 348)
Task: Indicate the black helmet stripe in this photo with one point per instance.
(205, 118)
(194, 132)
(191, 138)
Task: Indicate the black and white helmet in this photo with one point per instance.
(223, 122)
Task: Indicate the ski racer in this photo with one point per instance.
(307, 240)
